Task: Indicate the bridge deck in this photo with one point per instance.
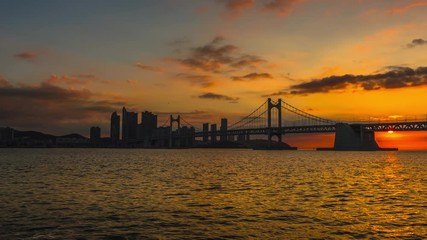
(377, 127)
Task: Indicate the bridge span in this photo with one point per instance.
(278, 118)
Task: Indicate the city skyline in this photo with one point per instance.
(68, 65)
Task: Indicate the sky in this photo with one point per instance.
(67, 65)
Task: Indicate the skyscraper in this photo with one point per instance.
(115, 127)
(149, 122)
(129, 125)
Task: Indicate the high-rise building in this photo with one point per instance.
(129, 125)
(115, 127)
(95, 134)
(149, 122)
(146, 128)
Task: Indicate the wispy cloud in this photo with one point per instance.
(216, 96)
(27, 56)
(236, 7)
(252, 76)
(416, 42)
(204, 81)
(409, 5)
(71, 80)
(281, 7)
(4, 82)
(217, 57)
(148, 68)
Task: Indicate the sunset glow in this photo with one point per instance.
(67, 65)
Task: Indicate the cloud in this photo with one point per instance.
(71, 80)
(236, 7)
(252, 76)
(217, 57)
(148, 68)
(204, 81)
(416, 42)
(281, 7)
(407, 7)
(53, 108)
(275, 94)
(395, 77)
(4, 82)
(216, 96)
(27, 56)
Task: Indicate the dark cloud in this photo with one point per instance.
(275, 94)
(148, 68)
(416, 42)
(195, 112)
(46, 107)
(236, 7)
(217, 57)
(216, 96)
(252, 76)
(27, 56)
(281, 7)
(394, 77)
(204, 81)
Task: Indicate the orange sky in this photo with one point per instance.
(63, 70)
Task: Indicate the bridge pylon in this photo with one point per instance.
(277, 131)
(171, 121)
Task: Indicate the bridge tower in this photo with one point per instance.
(277, 131)
(171, 121)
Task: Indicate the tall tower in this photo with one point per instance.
(125, 124)
(223, 130)
(129, 125)
(115, 127)
(278, 130)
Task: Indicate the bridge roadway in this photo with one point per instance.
(377, 127)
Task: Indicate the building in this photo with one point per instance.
(7, 135)
(129, 125)
(148, 123)
(115, 128)
(213, 133)
(95, 134)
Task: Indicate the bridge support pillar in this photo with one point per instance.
(205, 132)
(178, 138)
(354, 138)
(213, 133)
(278, 130)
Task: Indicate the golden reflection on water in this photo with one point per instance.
(199, 194)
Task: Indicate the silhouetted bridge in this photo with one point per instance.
(277, 118)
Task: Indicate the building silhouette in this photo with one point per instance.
(7, 135)
(115, 128)
(129, 125)
(223, 130)
(95, 134)
(205, 132)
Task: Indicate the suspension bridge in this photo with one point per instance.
(274, 119)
